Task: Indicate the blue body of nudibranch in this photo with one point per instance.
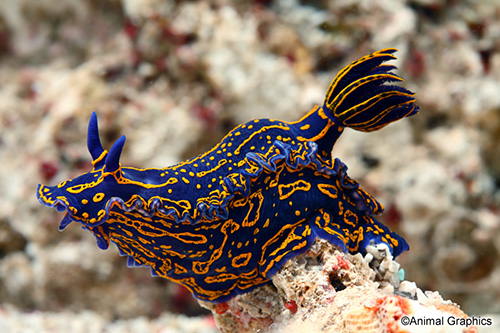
(224, 222)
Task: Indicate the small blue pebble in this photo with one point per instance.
(401, 274)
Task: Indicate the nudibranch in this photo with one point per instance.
(224, 222)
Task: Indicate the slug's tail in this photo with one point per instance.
(361, 95)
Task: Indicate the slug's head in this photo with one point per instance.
(89, 197)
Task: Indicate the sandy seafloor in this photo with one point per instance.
(175, 76)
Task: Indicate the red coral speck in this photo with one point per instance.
(221, 308)
(342, 263)
(48, 170)
(292, 306)
(393, 215)
(131, 30)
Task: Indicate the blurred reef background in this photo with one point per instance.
(175, 76)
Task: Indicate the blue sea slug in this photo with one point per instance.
(224, 222)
